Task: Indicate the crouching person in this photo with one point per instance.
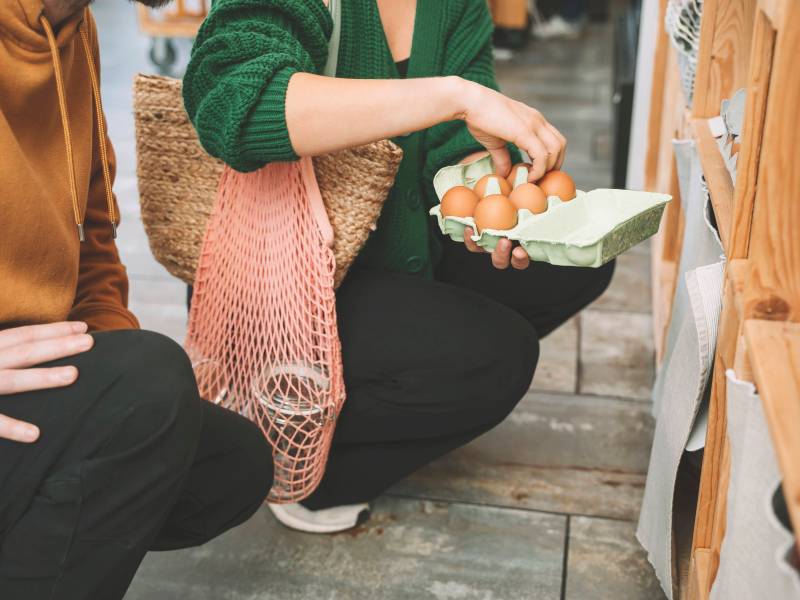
(106, 449)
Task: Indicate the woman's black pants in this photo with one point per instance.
(430, 365)
(130, 459)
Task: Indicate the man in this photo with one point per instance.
(106, 450)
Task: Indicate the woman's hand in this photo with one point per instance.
(503, 256)
(494, 119)
(23, 347)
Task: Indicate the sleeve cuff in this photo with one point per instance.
(105, 317)
(265, 137)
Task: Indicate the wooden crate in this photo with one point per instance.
(179, 20)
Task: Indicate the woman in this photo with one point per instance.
(439, 342)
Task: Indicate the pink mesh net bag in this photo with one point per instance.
(262, 328)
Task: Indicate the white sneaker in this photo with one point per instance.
(558, 27)
(328, 520)
(503, 54)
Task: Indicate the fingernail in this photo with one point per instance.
(85, 342)
(30, 433)
(79, 327)
(67, 375)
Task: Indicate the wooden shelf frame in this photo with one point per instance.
(774, 351)
(718, 179)
(752, 44)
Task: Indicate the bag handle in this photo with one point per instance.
(335, 7)
(316, 203)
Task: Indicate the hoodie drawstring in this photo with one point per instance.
(101, 129)
(62, 103)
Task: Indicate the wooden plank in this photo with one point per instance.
(736, 279)
(775, 355)
(699, 576)
(666, 257)
(752, 132)
(722, 62)
(656, 102)
(719, 521)
(707, 502)
(773, 10)
(672, 126)
(510, 14)
(718, 179)
(170, 25)
(773, 290)
(708, 527)
(736, 282)
(702, 78)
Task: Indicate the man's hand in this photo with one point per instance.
(23, 347)
(503, 256)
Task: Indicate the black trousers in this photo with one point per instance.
(430, 365)
(130, 459)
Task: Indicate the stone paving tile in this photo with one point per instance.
(616, 353)
(557, 370)
(605, 562)
(462, 477)
(630, 288)
(555, 452)
(408, 550)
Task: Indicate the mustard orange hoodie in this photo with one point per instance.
(46, 273)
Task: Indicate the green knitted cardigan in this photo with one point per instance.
(246, 51)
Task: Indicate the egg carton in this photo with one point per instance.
(587, 231)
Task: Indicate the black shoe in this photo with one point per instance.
(511, 39)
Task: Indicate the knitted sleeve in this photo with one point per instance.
(469, 55)
(235, 84)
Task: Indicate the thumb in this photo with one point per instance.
(501, 160)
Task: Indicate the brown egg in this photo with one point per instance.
(459, 201)
(530, 196)
(495, 212)
(558, 183)
(480, 187)
(512, 177)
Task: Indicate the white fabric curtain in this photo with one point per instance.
(685, 372)
(753, 560)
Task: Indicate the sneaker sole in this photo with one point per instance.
(292, 522)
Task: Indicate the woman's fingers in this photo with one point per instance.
(469, 243)
(28, 354)
(519, 258)
(501, 257)
(539, 157)
(562, 154)
(16, 381)
(552, 143)
(501, 159)
(31, 333)
(17, 431)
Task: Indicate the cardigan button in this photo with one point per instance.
(414, 264)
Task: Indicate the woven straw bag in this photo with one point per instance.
(178, 182)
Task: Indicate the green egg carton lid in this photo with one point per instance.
(587, 231)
